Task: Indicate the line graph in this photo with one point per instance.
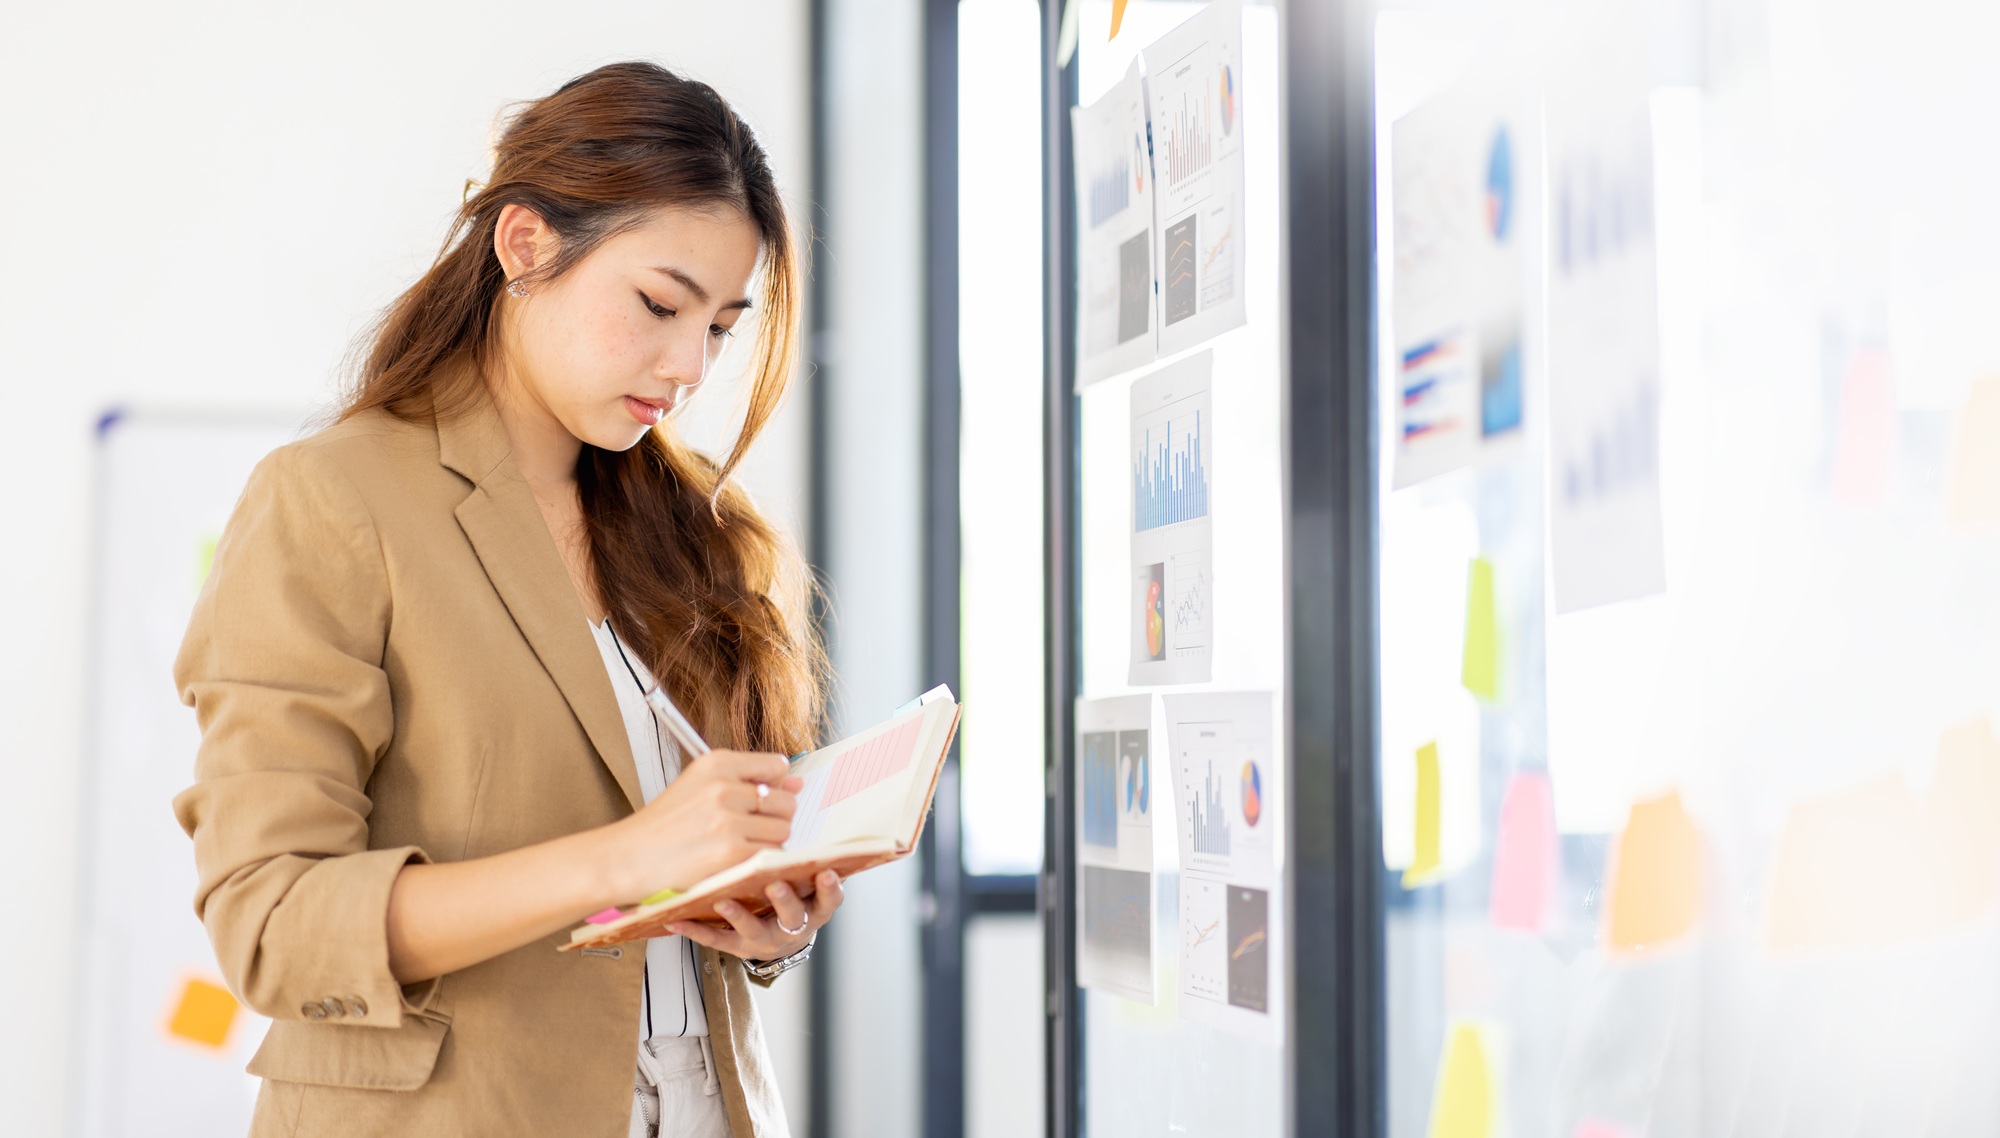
(1180, 274)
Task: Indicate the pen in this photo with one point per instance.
(684, 733)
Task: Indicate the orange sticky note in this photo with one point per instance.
(1655, 893)
(1972, 478)
(1463, 1103)
(1864, 445)
(1962, 813)
(1117, 16)
(1525, 855)
(1429, 853)
(1862, 866)
(204, 1013)
(1481, 668)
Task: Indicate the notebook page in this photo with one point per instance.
(857, 788)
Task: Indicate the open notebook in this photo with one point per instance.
(864, 803)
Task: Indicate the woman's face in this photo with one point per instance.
(612, 346)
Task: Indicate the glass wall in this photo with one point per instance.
(1691, 800)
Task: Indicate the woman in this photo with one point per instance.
(419, 660)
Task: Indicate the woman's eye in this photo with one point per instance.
(719, 332)
(654, 308)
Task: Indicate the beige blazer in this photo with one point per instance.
(389, 664)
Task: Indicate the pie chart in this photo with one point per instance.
(1253, 794)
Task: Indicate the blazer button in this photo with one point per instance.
(357, 1007)
(708, 967)
(312, 1011)
(333, 1007)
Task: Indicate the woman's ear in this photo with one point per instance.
(522, 241)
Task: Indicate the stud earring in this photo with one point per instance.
(516, 289)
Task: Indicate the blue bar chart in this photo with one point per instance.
(1170, 480)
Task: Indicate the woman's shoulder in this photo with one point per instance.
(372, 458)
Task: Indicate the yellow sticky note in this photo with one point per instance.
(1463, 1103)
(1481, 670)
(1655, 877)
(204, 558)
(204, 1013)
(1429, 851)
(1972, 480)
(1117, 16)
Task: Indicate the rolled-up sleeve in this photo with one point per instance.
(283, 665)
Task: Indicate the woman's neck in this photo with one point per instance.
(544, 449)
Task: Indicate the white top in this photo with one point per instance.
(673, 1004)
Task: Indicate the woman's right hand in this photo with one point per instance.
(708, 819)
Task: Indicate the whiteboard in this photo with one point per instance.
(165, 485)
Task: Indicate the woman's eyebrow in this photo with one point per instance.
(694, 286)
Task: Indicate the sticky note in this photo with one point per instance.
(1525, 855)
(1429, 853)
(203, 1014)
(662, 895)
(1864, 444)
(1962, 813)
(1655, 893)
(1598, 1128)
(204, 558)
(1972, 479)
(1463, 1102)
(1857, 867)
(604, 916)
(1481, 670)
(1117, 16)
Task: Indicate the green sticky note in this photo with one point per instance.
(1429, 853)
(1481, 672)
(204, 558)
(662, 895)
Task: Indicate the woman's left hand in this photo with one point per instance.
(750, 937)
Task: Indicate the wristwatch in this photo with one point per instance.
(765, 971)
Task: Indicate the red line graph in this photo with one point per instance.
(871, 762)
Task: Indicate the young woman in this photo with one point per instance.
(419, 660)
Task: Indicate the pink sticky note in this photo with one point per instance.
(1864, 445)
(603, 917)
(1598, 1128)
(1524, 858)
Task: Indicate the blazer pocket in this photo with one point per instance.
(362, 1058)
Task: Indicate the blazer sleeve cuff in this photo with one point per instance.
(355, 985)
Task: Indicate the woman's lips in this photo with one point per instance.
(648, 414)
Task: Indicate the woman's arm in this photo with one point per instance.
(445, 917)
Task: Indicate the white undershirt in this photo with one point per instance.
(673, 1004)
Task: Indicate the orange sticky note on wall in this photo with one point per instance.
(1429, 853)
(1972, 479)
(1481, 668)
(1858, 866)
(1463, 1103)
(1117, 16)
(1525, 856)
(1655, 876)
(1962, 813)
(203, 1014)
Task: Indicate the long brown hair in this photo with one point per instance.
(711, 596)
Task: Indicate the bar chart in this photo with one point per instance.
(1208, 818)
(1170, 479)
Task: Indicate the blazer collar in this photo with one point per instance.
(500, 518)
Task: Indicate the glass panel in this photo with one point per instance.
(1146, 1070)
(1723, 858)
(1000, 442)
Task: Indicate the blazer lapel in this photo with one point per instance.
(506, 529)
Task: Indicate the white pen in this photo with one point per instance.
(690, 740)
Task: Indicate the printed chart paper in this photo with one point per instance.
(1228, 800)
(1115, 785)
(1194, 80)
(1605, 540)
(1459, 281)
(1114, 207)
(1173, 563)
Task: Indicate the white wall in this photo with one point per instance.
(204, 204)
(874, 384)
